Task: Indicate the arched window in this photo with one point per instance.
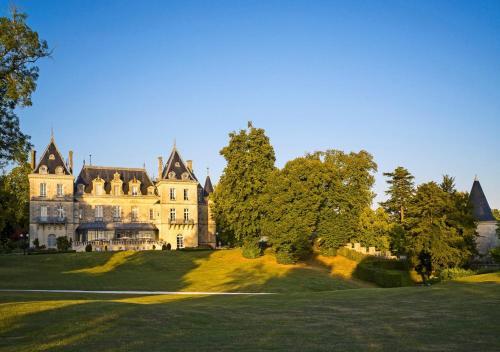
(51, 241)
(43, 169)
(180, 241)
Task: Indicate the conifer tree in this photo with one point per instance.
(237, 198)
(441, 226)
(400, 192)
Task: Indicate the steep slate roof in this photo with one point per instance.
(52, 164)
(208, 186)
(481, 208)
(89, 173)
(177, 165)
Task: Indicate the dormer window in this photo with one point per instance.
(151, 190)
(81, 188)
(135, 190)
(43, 169)
(59, 170)
(177, 164)
(171, 175)
(116, 190)
(98, 189)
(185, 175)
(52, 157)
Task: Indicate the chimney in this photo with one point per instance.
(70, 160)
(33, 159)
(189, 165)
(160, 167)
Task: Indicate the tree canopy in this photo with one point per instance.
(237, 198)
(401, 189)
(20, 49)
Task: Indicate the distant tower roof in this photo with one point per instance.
(481, 208)
(208, 186)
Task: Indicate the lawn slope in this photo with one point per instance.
(214, 271)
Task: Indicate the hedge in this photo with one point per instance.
(382, 277)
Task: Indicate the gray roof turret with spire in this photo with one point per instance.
(176, 167)
(52, 158)
(481, 208)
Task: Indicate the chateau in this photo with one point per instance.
(115, 208)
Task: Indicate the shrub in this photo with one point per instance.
(350, 254)
(166, 247)
(36, 243)
(63, 244)
(88, 248)
(286, 257)
(251, 249)
(455, 273)
(495, 254)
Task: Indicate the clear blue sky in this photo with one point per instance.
(416, 83)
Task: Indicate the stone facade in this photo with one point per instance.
(119, 208)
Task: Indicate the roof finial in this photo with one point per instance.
(475, 178)
(175, 144)
(90, 159)
(208, 171)
(51, 133)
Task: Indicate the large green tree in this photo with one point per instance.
(401, 190)
(20, 49)
(238, 208)
(14, 201)
(440, 226)
(347, 192)
(293, 201)
(317, 197)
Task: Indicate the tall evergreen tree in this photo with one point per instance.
(20, 49)
(238, 207)
(440, 227)
(400, 192)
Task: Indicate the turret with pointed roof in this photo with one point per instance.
(208, 186)
(52, 159)
(176, 168)
(481, 208)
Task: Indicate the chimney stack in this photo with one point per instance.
(160, 167)
(70, 160)
(190, 165)
(33, 159)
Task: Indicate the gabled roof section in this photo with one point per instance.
(52, 158)
(481, 208)
(177, 167)
(90, 172)
(208, 186)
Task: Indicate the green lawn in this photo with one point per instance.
(318, 308)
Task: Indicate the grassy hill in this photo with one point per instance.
(317, 308)
(214, 271)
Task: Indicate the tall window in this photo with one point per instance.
(43, 190)
(186, 214)
(186, 194)
(172, 193)
(116, 212)
(116, 190)
(98, 212)
(60, 212)
(180, 241)
(135, 213)
(134, 190)
(59, 190)
(151, 214)
(98, 189)
(43, 211)
(172, 214)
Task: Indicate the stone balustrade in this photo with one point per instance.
(119, 245)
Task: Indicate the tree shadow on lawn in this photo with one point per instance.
(412, 318)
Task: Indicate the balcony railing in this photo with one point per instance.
(51, 219)
(181, 222)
